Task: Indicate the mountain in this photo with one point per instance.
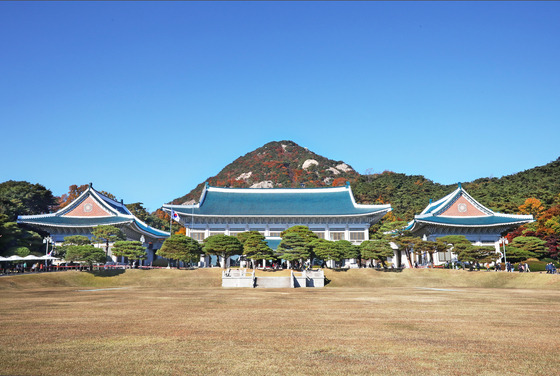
(275, 165)
(286, 164)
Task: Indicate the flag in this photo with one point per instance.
(175, 216)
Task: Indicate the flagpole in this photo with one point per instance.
(170, 222)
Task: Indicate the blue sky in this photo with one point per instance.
(146, 100)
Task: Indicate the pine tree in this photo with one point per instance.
(133, 250)
(223, 246)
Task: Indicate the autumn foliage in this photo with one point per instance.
(74, 191)
(546, 227)
(280, 163)
(532, 206)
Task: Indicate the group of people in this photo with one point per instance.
(11, 268)
(550, 268)
(522, 267)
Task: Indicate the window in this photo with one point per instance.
(320, 234)
(197, 236)
(359, 236)
(337, 235)
(216, 233)
(275, 234)
(444, 256)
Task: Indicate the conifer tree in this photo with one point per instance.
(376, 250)
(133, 250)
(181, 248)
(293, 247)
(85, 253)
(255, 248)
(326, 250)
(107, 234)
(223, 246)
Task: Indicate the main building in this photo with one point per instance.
(331, 213)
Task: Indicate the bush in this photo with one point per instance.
(20, 251)
(534, 265)
(537, 266)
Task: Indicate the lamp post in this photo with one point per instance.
(142, 240)
(47, 240)
(504, 241)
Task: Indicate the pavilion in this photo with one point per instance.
(460, 214)
(91, 209)
(331, 213)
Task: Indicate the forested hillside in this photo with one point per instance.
(409, 194)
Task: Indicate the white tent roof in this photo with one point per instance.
(46, 257)
(32, 257)
(28, 258)
(14, 258)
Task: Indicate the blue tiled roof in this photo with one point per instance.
(434, 207)
(491, 220)
(151, 230)
(117, 207)
(53, 220)
(121, 216)
(281, 202)
(113, 204)
(60, 221)
(431, 214)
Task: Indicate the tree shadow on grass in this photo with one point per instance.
(390, 270)
(339, 269)
(275, 270)
(106, 273)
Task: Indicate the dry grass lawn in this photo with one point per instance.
(177, 323)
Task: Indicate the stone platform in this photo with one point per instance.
(242, 278)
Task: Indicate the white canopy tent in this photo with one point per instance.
(28, 258)
(31, 258)
(47, 257)
(14, 258)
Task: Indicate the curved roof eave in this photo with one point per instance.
(498, 224)
(284, 215)
(150, 231)
(31, 223)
